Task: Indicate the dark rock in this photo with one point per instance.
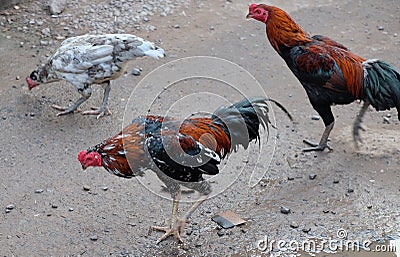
(136, 72)
(285, 210)
(312, 176)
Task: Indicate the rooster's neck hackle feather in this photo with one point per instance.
(282, 30)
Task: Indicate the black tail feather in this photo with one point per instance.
(382, 85)
(242, 120)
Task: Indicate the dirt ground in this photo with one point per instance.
(54, 215)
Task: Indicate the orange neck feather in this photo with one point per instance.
(282, 30)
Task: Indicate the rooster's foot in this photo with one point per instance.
(64, 110)
(315, 146)
(100, 112)
(175, 231)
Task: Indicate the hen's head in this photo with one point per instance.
(37, 77)
(258, 12)
(88, 159)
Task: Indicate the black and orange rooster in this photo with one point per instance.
(180, 153)
(329, 72)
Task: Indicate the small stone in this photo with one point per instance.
(39, 191)
(46, 31)
(4, 117)
(325, 211)
(381, 28)
(43, 43)
(10, 206)
(386, 120)
(306, 230)
(220, 232)
(16, 7)
(71, 209)
(176, 26)
(350, 190)
(105, 188)
(369, 206)
(294, 225)
(136, 72)
(18, 78)
(86, 188)
(336, 181)
(94, 238)
(54, 206)
(57, 6)
(315, 117)
(8, 211)
(290, 178)
(285, 210)
(312, 176)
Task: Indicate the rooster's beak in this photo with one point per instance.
(248, 16)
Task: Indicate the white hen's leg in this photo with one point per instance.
(86, 92)
(103, 110)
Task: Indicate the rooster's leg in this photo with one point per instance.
(323, 143)
(103, 110)
(176, 229)
(357, 124)
(170, 230)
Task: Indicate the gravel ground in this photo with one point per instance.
(50, 207)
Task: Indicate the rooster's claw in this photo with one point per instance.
(315, 146)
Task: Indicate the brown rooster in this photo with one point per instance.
(329, 72)
(180, 153)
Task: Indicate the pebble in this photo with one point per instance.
(336, 181)
(312, 176)
(290, 178)
(54, 206)
(386, 120)
(136, 72)
(177, 26)
(105, 188)
(350, 190)
(18, 78)
(381, 28)
(369, 206)
(94, 238)
(71, 209)
(220, 232)
(306, 230)
(315, 117)
(10, 206)
(39, 191)
(86, 188)
(294, 225)
(285, 210)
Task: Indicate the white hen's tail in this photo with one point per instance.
(149, 49)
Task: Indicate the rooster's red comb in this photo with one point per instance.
(81, 155)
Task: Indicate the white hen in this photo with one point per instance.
(92, 59)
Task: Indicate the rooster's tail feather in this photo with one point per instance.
(382, 85)
(244, 118)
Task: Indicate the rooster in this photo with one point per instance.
(180, 153)
(329, 72)
(92, 59)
